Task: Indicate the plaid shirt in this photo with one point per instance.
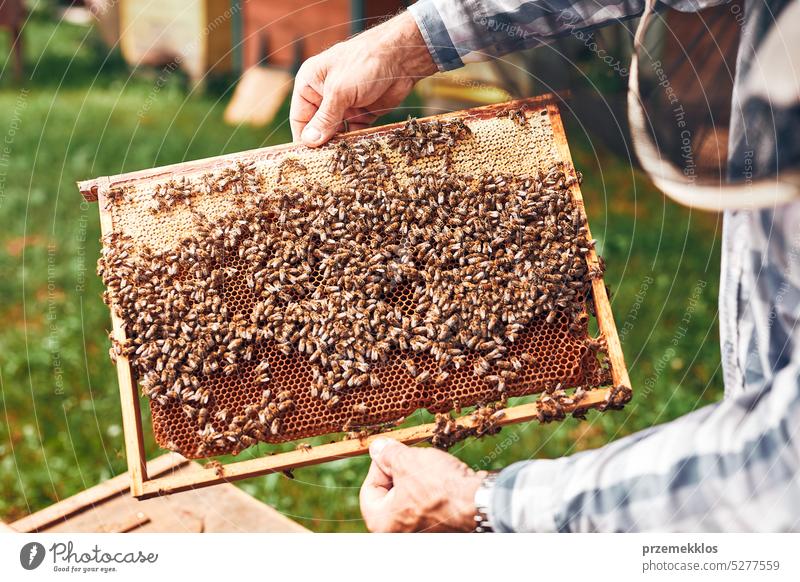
(731, 466)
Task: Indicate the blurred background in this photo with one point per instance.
(98, 88)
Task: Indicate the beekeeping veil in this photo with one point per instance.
(665, 128)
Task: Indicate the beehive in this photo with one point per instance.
(559, 356)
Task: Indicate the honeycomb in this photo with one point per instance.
(556, 353)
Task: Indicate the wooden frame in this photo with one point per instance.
(144, 485)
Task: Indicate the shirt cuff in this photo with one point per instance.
(525, 497)
(433, 29)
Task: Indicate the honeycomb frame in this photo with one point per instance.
(545, 124)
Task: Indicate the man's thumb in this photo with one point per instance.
(325, 121)
(386, 453)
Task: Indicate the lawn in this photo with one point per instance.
(80, 113)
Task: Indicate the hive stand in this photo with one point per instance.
(145, 485)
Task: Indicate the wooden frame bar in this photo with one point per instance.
(144, 486)
(605, 317)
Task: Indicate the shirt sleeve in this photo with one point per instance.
(462, 31)
(732, 466)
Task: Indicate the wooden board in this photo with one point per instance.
(106, 508)
(145, 486)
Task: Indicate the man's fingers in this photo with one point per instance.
(326, 120)
(305, 102)
(376, 485)
(374, 497)
(388, 454)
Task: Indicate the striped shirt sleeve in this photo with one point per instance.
(462, 31)
(732, 466)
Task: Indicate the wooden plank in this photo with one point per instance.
(5, 528)
(334, 451)
(605, 316)
(128, 389)
(106, 508)
(89, 189)
(92, 497)
(129, 524)
(124, 513)
(250, 509)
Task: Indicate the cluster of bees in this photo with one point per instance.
(483, 421)
(476, 259)
(516, 115)
(237, 180)
(362, 162)
(419, 139)
(556, 402)
(179, 332)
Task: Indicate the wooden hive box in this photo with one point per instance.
(197, 36)
(284, 33)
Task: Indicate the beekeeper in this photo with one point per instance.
(731, 466)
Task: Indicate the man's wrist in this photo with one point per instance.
(413, 55)
(460, 496)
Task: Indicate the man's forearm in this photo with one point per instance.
(403, 33)
(732, 466)
(458, 32)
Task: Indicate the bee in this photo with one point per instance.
(218, 467)
(498, 415)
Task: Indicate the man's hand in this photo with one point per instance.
(412, 489)
(358, 80)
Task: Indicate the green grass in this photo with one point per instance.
(82, 115)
